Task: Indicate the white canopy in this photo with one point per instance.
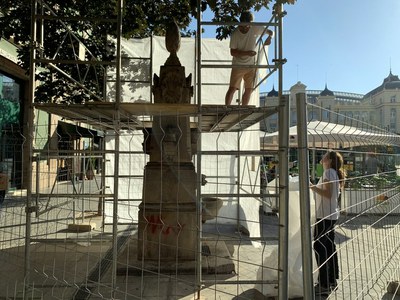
(331, 135)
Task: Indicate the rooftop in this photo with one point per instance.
(391, 82)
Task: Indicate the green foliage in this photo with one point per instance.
(140, 19)
(229, 11)
(9, 112)
(382, 181)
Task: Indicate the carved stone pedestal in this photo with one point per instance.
(167, 216)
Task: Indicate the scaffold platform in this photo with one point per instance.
(214, 118)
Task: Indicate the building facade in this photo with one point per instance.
(49, 132)
(379, 107)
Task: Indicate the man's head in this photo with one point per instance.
(247, 17)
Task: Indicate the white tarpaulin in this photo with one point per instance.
(331, 135)
(222, 171)
(130, 179)
(268, 271)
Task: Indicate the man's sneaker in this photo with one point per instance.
(322, 290)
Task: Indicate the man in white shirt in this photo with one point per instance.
(243, 45)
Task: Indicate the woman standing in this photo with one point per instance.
(326, 194)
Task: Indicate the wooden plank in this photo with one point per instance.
(82, 227)
(159, 109)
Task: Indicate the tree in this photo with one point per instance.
(64, 37)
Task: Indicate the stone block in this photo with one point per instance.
(167, 232)
(166, 183)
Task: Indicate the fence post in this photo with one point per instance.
(304, 185)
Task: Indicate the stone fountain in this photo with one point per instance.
(168, 212)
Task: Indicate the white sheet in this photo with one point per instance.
(221, 170)
(270, 264)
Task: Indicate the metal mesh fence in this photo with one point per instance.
(74, 254)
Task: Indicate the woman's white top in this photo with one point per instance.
(328, 208)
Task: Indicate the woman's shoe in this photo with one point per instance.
(322, 290)
(333, 286)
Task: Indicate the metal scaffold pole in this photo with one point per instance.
(29, 149)
(117, 146)
(198, 162)
(284, 122)
(304, 179)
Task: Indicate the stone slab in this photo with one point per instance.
(81, 227)
(216, 259)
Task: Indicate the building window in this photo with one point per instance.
(9, 102)
(10, 137)
(293, 120)
(312, 99)
(393, 99)
(326, 113)
(341, 118)
(393, 119)
(312, 115)
(364, 116)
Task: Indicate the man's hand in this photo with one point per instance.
(270, 36)
(267, 41)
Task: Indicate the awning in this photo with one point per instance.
(331, 135)
(73, 132)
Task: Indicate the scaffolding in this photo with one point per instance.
(115, 116)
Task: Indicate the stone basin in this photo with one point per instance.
(211, 207)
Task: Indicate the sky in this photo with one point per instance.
(350, 45)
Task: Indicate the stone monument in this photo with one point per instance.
(168, 213)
